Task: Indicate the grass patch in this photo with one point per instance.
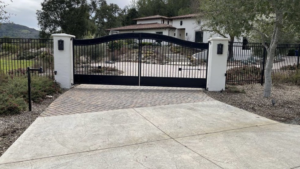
(8, 65)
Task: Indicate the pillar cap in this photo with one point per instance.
(63, 35)
(218, 39)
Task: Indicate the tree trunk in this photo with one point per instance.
(230, 52)
(271, 54)
(268, 70)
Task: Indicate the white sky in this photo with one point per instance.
(24, 11)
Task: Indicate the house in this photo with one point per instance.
(185, 27)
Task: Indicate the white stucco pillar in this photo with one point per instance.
(217, 64)
(63, 60)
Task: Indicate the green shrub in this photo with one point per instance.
(44, 60)
(26, 55)
(243, 75)
(14, 93)
(5, 39)
(147, 44)
(95, 52)
(129, 41)
(10, 104)
(286, 77)
(10, 47)
(115, 45)
(289, 67)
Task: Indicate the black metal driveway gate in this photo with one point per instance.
(140, 59)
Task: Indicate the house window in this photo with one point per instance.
(180, 34)
(186, 34)
(199, 36)
(180, 23)
(168, 22)
(174, 34)
(163, 21)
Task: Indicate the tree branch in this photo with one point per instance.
(263, 36)
(214, 30)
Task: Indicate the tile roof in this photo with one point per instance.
(184, 16)
(143, 26)
(151, 17)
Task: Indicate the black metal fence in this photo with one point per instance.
(17, 54)
(246, 63)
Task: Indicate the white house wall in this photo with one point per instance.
(150, 21)
(165, 32)
(190, 25)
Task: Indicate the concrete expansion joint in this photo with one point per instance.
(88, 151)
(228, 130)
(177, 140)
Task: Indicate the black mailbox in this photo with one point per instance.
(60, 45)
(220, 49)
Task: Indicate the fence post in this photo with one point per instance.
(217, 64)
(63, 59)
(263, 66)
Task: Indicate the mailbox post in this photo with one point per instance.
(40, 70)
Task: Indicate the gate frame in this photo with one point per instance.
(142, 80)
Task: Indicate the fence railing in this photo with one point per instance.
(17, 54)
(246, 63)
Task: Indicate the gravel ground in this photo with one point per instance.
(250, 97)
(11, 127)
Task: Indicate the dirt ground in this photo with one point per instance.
(11, 127)
(286, 99)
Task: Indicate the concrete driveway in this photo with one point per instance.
(203, 134)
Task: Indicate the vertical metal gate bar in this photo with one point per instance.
(140, 59)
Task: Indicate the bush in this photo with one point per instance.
(5, 40)
(129, 41)
(289, 67)
(243, 75)
(45, 60)
(26, 55)
(95, 52)
(13, 93)
(286, 77)
(10, 104)
(115, 45)
(10, 47)
(147, 44)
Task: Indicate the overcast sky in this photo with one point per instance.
(24, 11)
